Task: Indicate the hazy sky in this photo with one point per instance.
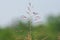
(10, 9)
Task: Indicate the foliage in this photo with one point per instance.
(48, 31)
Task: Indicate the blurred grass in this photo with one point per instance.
(48, 31)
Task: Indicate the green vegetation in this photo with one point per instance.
(48, 31)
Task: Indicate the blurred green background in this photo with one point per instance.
(50, 30)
